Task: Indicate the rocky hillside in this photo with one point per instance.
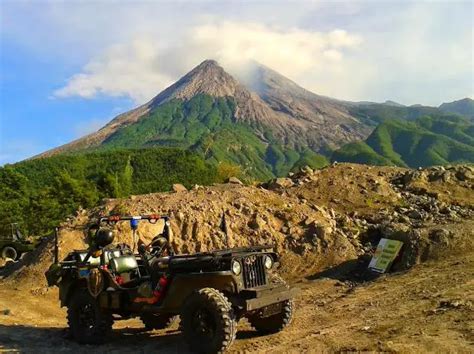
(316, 218)
(325, 225)
(328, 121)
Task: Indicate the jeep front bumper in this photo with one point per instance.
(264, 298)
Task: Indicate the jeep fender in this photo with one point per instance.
(183, 285)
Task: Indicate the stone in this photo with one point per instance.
(407, 177)
(454, 304)
(233, 180)
(308, 221)
(308, 169)
(444, 209)
(415, 214)
(321, 231)
(257, 223)
(178, 187)
(440, 236)
(279, 183)
(465, 175)
(445, 177)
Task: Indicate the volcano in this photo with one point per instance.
(268, 125)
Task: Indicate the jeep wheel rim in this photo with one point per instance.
(87, 316)
(9, 252)
(204, 324)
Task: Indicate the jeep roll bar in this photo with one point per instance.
(134, 220)
(112, 220)
(152, 218)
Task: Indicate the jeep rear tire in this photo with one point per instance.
(208, 321)
(157, 321)
(88, 324)
(274, 323)
(9, 252)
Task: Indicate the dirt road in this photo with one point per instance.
(429, 308)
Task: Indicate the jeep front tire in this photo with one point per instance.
(9, 252)
(208, 321)
(88, 324)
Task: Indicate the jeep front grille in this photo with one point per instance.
(253, 271)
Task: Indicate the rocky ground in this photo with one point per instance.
(325, 224)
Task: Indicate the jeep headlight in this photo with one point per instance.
(268, 262)
(236, 267)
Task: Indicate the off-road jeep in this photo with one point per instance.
(210, 291)
(12, 246)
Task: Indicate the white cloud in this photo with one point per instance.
(412, 51)
(126, 69)
(141, 68)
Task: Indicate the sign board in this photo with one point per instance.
(386, 252)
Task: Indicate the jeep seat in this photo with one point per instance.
(93, 261)
(123, 264)
(109, 254)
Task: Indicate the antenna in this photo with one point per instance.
(56, 246)
(134, 226)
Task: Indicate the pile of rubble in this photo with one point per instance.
(315, 218)
(416, 218)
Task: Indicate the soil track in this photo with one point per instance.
(427, 309)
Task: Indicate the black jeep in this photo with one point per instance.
(210, 291)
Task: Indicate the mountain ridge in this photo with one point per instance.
(463, 106)
(427, 141)
(262, 121)
(288, 123)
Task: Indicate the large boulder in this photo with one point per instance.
(279, 183)
(464, 173)
(178, 187)
(234, 180)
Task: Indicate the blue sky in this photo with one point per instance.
(68, 67)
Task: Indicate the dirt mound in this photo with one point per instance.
(316, 219)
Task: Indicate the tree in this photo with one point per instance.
(72, 193)
(227, 169)
(14, 190)
(126, 180)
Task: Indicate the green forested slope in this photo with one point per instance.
(206, 125)
(429, 140)
(39, 193)
(374, 113)
(463, 107)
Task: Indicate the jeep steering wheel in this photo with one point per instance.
(157, 246)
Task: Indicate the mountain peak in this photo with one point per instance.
(206, 78)
(208, 63)
(464, 107)
(277, 110)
